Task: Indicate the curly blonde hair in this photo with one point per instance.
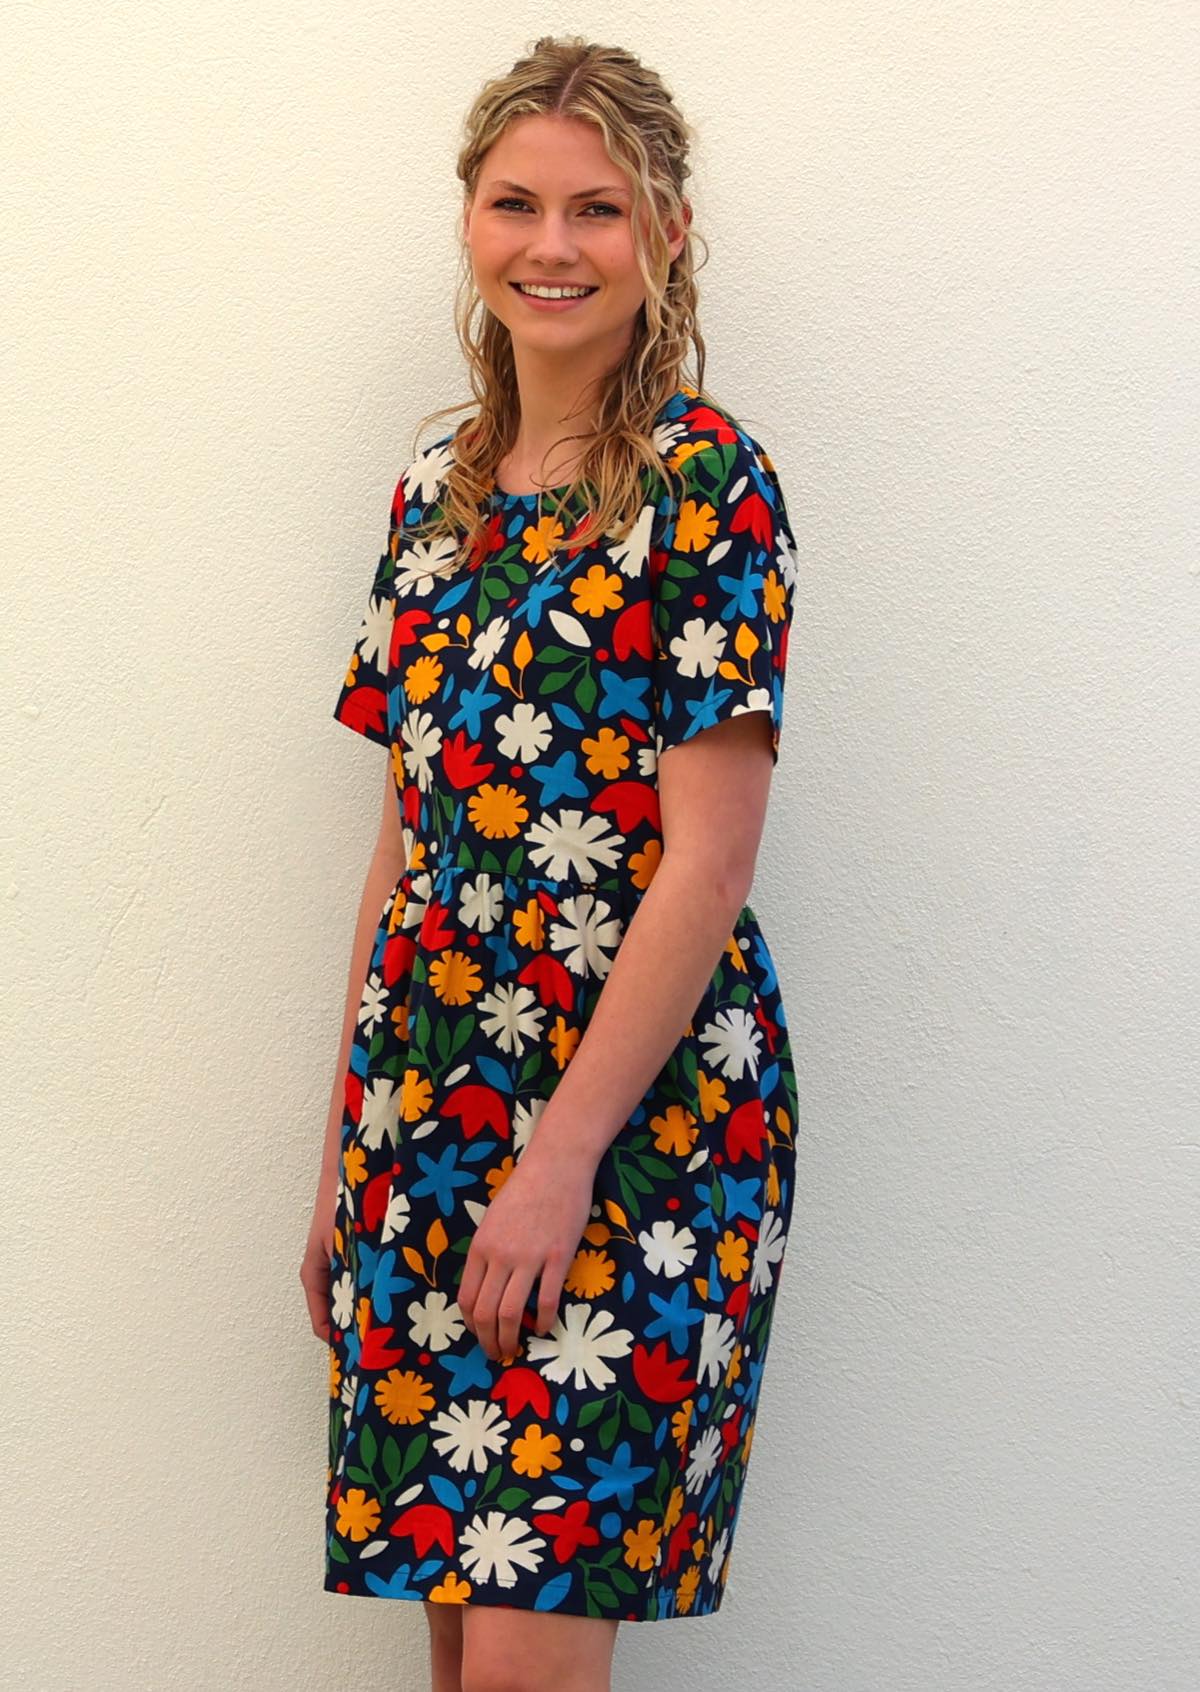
(648, 139)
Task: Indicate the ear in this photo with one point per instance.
(677, 230)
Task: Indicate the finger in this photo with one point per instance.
(487, 1307)
(474, 1271)
(512, 1305)
(550, 1291)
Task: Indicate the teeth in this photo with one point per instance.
(555, 293)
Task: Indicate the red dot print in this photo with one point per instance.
(672, 1204)
(397, 1169)
(472, 939)
(718, 1157)
(358, 1227)
(343, 1586)
(424, 1358)
(512, 601)
(515, 770)
(602, 654)
(699, 599)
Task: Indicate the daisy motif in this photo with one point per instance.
(731, 1042)
(373, 1003)
(585, 934)
(481, 902)
(423, 738)
(717, 1339)
(469, 1434)
(698, 646)
(341, 1301)
(578, 1343)
(573, 841)
(511, 1015)
(379, 1113)
(487, 643)
(768, 1249)
(395, 1220)
(702, 1459)
(497, 1547)
(418, 563)
(630, 555)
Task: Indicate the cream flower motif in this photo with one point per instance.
(435, 1321)
(523, 733)
(488, 642)
(702, 1459)
(510, 1014)
(481, 902)
(717, 1339)
(631, 554)
(577, 1345)
(768, 1249)
(586, 937)
(573, 841)
(668, 1250)
(423, 738)
(468, 1434)
(497, 1547)
(379, 1112)
(698, 646)
(731, 1042)
(396, 1219)
(341, 1301)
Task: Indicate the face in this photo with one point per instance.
(551, 207)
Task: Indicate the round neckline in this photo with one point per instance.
(507, 498)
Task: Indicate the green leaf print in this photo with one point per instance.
(414, 1454)
(392, 1460)
(368, 1444)
(337, 1551)
(512, 1498)
(586, 690)
(555, 681)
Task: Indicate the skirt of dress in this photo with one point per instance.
(600, 1471)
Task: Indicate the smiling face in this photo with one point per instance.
(551, 207)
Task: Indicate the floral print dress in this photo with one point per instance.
(525, 705)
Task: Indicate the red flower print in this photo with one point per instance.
(477, 1107)
(665, 1381)
(521, 1389)
(570, 1530)
(426, 1525)
(461, 761)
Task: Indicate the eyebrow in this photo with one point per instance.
(584, 193)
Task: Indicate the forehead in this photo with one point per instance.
(552, 157)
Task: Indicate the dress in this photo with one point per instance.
(600, 1471)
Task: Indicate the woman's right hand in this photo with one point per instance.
(314, 1270)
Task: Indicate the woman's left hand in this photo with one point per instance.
(533, 1226)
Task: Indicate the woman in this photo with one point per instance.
(559, 1164)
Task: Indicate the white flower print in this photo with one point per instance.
(468, 1434)
(668, 1250)
(423, 738)
(630, 555)
(376, 634)
(434, 1321)
(418, 563)
(399, 1209)
(497, 1548)
(578, 1343)
(380, 1112)
(428, 470)
(525, 1119)
(584, 934)
(731, 1042)
(374, 1002)
(702, 1459)
(573, 841)
(717, 1552)
(341, 1301)
(523, 733)
(768, 1249)
(487, 643)
(758, 699)
(481, 902)
(698, 647)
(511, 1015)
(717, 1337)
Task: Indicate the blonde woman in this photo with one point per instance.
(559, 1165)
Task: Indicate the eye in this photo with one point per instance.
(592, 205)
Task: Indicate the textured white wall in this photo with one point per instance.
(953, 291)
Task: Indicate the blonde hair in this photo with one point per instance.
(648, 139)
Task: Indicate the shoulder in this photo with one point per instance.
(728, 490)
(421, 481)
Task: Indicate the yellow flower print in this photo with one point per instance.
(454, 977)
(681, 1421)
(352, 673)
(733, 1254)
(685, 1595)
(534, 1452)
(422, 678)
(597, 592)
(674, 1505)
(695, 526)
(641, 1544)
(497, 811)
(539, 539)
(773, 1187)
(404, 1397)
(416, 1095)
(362, 1317)
(563, 1041)
(714, 1101)
(591, 1273)
(453, 1590)
(335, 1374)
(529, 926)
(498, 1174)
(774, 597)
(400, 1020)
(675, 1130)
(644, 864)
(357, 1515)
(607, 753)
(733, 950)
(354, 1163)
(735, 1365)
(396, 914)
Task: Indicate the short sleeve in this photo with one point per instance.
(362, 703)
(723, 594)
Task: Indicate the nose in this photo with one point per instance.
(552, 242)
